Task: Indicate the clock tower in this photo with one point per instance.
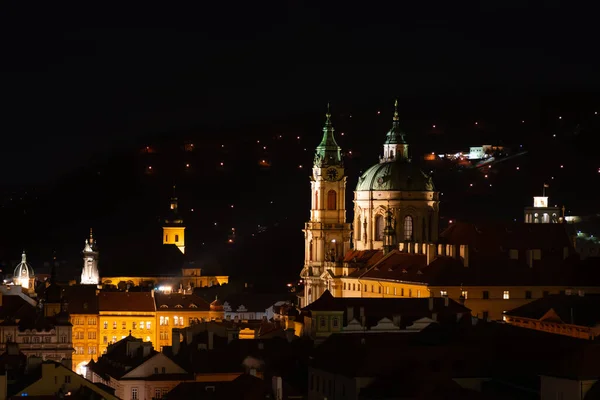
(326, 235)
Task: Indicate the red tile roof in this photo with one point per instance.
(126, 301)
(180, 301)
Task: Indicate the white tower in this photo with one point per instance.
(24, 275)
(89, 274)
(326, 235)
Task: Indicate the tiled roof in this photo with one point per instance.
(82, 299)
(180, 302)
(126, 301)
(491, 236)
(573, 309)
(256, 302)
(116, 362)
(484, 269)
(409, 309)
(14, 307)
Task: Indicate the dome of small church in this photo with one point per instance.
(23, 270)
(397, 175)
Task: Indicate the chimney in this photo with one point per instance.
(349, 314)
(362, 313)
(290, 334)
(175, 341)
(464, 253)
(431, 300)
(530, 258)
(210, 340)
(431, 252)
(446, 301)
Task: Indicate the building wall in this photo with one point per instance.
(552, 388)
(580, 332)
(55, 345)
(55, 378)
(86, 339)
(155, 366)
(325, 385)
(173, 281)
(167, 319)
(125, 322)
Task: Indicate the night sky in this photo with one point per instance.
(85, 87)
(84, 78)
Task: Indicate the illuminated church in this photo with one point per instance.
(393, 248)
(394, 201)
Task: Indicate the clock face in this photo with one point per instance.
(332, 174)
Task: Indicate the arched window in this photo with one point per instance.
(408, 228)
(379, 227)
(358, 229)
(331, 200)
(176, 238)
(316, 200)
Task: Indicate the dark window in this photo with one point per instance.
(177, 238)
(379, 227)
(528, 294)
(486, 294)
(331, 200)
(408, 228)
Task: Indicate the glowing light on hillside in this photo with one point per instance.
(187, 165)
(476, 123)
(562, 166)
(300, 166)
(517, 168)
(559, 117)
(222, 164)
(433, 126)
(378, 112)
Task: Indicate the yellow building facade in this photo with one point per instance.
(122, 313)
(178, 310)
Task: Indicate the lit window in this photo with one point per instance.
(464, 294)
(134, 394)
(114, 324)
(105, 325)
(147, 338)
(166, 321)
(148, 325)
(506, 295)
(443, 293)
(408, 228)
(162, 321)
(395, 293)
(141, 324)
(418, 293)
(387, 290)
(180, 321)
(175, 321)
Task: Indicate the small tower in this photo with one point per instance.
(389, 232)
(326, 234)
(89, 274)
(24, 275)
(540, 213)
(395, 146)
(173, 228)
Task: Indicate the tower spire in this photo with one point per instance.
(395, 146)
(328, 152)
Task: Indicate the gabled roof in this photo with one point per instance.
(256, 302)
(574, 309)
(180, 302)
(126, 301)
(117, 361)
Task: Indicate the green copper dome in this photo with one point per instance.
(397, 175)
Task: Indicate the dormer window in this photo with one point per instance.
(178, 306)
(192, 305)
(164, 306)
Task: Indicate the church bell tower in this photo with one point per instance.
(326, 235)
(173, 228)
(89, 274)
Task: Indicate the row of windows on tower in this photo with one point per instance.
(380, 226)
(134, 325)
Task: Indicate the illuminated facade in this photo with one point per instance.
(173, 228)
(540, 213)
(178, 310)
(327, 234)
(89, 274)
(126, 313)
(24, 274)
